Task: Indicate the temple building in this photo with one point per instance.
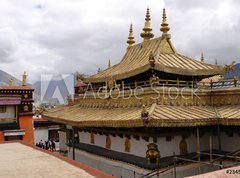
(16, 114)
(45, 130)
(155, 113)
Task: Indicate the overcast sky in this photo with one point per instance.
(63, 36)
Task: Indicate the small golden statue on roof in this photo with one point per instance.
(151, 59)
(154, 80)
(111, 84)
(229, 67)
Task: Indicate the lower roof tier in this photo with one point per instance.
(153, 116)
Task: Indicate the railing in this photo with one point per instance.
(223, 83)
(217, 157)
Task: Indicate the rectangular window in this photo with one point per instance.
(3, 108)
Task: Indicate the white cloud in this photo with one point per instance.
(65, 36)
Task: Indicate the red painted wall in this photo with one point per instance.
(26, 123)
(1, 136)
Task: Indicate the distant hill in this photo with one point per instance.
(235, 72)
(5, 78)
(56, 91)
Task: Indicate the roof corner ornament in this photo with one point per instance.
(202, 58)
(147, 30)
(111, 84)
(152, 59)
(130, 40)
(99, 70)
(79, 77)
(145, 115)
(164, 26)
(229, 67)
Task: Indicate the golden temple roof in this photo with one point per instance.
(159, 116)
(136, 58)
(136, 61)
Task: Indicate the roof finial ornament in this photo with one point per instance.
(147, 34)
(216, 62)
(99, 70)
(24, 80)
(202, 57)
(130, 40)
(164, 26)
(109, 63)
(11, 82)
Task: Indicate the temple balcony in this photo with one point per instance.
(165, 92)
(144, 86)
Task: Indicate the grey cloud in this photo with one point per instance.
(8, 45)
(63, 37)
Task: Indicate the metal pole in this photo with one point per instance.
(220, 156)
(219, 140)
(210, 147)
(201, 162)
(73, 143)
(198, 149)
(174, 165)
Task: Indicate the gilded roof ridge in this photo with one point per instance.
(198, 60)
(132, 47)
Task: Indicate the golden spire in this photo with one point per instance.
(24, 80)
(202, 57)
(164, 26)
(130, 40)
(11, 82)
(109, 63)
(147, 34)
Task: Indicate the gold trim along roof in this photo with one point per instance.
(136, 61)
(158, 116)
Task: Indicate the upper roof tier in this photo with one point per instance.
(166, 59)
(158, 54)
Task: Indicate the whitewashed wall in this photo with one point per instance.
(228, 143)
(139, 147)
(40, 134)
(62, 141)
(168, 147)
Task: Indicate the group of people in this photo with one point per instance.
(47, 145)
